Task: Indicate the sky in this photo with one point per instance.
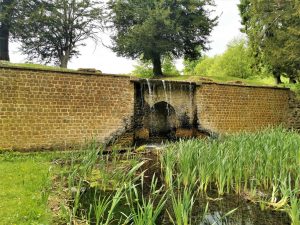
(101, 58)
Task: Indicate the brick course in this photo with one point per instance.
(46, 109)
(294, 112)
(54, 109)
(226, 108)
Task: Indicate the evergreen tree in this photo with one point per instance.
(6, 10)
(153, 29)
(52, 30)
(273, 29)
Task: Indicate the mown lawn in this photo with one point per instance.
(24, 180)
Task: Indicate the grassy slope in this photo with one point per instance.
(255, 81)
(33, 66)
(23, 181)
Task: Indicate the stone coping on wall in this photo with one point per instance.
(144, 80)
(200, 83)
(67, 72)
(242, 85)
(136, 79)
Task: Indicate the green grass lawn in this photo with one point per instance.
(254, 81)
(23, 183)
(79, 187)
(34, 66)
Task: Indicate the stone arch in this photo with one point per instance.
(162, 120)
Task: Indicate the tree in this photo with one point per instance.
(6, 10)
(144, 68)
(189, 66)
(54, 29)
(153, 29)
(205, 65)
(236, 61)
(169, 67)
(272, 27)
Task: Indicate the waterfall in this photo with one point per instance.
(150, 93)
(166, 95)
(191, 99)
(170, 93)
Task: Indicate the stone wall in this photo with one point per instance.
(49, 109)
(294, 113)
(164, 107)
(42, 109)
(226, 108)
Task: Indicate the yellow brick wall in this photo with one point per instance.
(46, 109)
(51, 109)
(225, 108)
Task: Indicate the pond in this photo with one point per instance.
(202, 209)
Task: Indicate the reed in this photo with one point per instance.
(182, 205)
(145, 210)
(264, 164)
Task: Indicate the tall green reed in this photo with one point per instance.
(258, 164)
(145, 210)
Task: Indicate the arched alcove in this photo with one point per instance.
(162, 120)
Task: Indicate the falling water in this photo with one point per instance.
(166, 95)
(191, 99)
(150, 93)
(142, 95)
(170, 93)
(151, 103)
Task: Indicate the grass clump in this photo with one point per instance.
(96, 188)
(34, 66)
(262, 166)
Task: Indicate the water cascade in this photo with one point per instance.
(191, 94)
(166, 95)
(170, 93)
(150, 92)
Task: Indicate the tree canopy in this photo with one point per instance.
(273, 29)
(54, 29)
(236, 61)
(153, 29)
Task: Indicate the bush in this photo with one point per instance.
(145, 69)
(236, 61)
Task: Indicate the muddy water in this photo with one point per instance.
(246, 213)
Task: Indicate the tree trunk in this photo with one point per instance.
(156, 62)
(4, 45)
(293, 80)
(64, 59)
(277, 77)
(4, 30)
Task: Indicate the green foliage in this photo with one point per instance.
(272, 27)
(236, 61)
(245, 163)
(189, 66)
(52, 31)
(258, 165)
(33, 66)
(204, 67)
(23, 189)
(144, 68)
(169, 68)
(157, 28)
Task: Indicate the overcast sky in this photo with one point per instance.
(102, 58)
